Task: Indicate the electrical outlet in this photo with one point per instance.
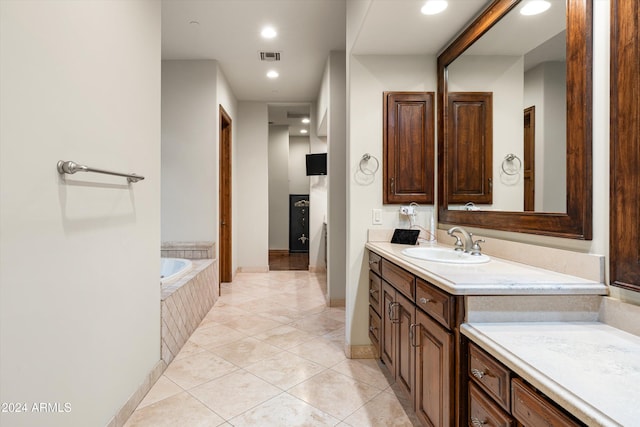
(407, 210)
(376, 216)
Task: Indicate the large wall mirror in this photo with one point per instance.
(536, 72)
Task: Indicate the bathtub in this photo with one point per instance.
(171, 268)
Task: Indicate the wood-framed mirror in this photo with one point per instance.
(575, 220)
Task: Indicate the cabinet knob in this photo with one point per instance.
(424, 300)
(478, 373)
(475, 422)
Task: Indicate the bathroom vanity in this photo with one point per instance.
(499, 343)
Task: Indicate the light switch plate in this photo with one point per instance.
(376, 216)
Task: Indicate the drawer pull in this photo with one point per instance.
(478, 373)
(372, 329)
(372, 262)
(373, 291)
(475, 422)
(424, 300)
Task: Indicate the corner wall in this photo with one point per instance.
(336, 175)
(79, 254)
(318, 199)
(278, 187)
(251, 187)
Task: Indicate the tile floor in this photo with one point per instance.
(270, 353)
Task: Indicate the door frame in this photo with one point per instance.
(225, 207)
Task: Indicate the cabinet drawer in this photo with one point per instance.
(400, 279)
(434, 302)
(375, 262)
(490, 375)
(375, 292)
(484, 412)
(374, 328)
(534, 410)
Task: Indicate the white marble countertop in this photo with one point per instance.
(589, 368)
(497, 277)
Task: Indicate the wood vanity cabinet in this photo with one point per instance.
(497, 397)
(435, 366)
(397, 350)
(417, 339)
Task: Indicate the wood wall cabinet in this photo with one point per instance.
(498, 397)
(408, 144)
(470, 147)
(417, 340)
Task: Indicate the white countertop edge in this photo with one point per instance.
(581, 286)
(582, 410)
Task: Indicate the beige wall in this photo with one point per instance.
(79, 255)
(369, 77)
(251, 187)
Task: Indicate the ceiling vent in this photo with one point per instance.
(270, 56)
(296, 115)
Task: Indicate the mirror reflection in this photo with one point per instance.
(521, 63)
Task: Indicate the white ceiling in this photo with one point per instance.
(397, 27)
(229, 32)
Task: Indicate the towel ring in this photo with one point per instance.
(363, 162)
(509, 160)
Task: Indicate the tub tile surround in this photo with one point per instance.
(185, 302)
(188, 250)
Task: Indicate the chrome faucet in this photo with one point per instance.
(468, 245)
(459, 245)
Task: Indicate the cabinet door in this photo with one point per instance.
(405, 351)
(434, 398)
(470, 154)
(408, 139)
(388, 338)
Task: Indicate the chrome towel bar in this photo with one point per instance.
(72, 167)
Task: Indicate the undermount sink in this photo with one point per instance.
(445, 255)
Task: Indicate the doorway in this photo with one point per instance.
(529, 158)
(225, 230)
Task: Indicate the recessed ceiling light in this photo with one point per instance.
(305, 120)
(268, 32)
(432, 7)
(303, 131)
(535, 7)
(272, 74)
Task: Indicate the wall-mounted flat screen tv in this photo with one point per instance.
(317, 164)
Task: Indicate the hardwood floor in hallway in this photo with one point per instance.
(287, 261)
(271, 353)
